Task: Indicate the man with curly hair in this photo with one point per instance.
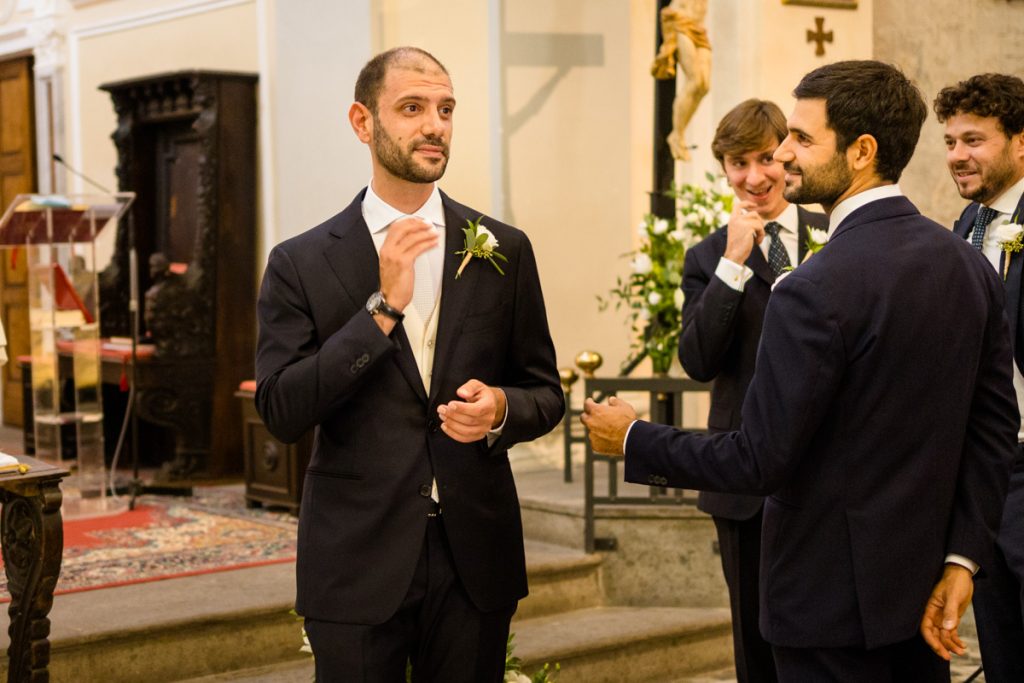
(984, 118)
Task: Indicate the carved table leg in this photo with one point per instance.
(32, 543)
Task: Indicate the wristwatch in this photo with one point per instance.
(376, 304)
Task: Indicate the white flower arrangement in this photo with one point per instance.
(652, 292)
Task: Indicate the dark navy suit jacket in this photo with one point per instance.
(720, 334)
(1014, 277)
(322, 362)
(880, 421)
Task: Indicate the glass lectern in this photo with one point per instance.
(56, 235)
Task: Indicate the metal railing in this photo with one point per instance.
(666, 407)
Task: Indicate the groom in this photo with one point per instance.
(417, 383)
(881, 419)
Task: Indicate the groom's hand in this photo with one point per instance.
(407, 238)
(481, 410)
(607, 424)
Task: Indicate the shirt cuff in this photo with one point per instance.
(626, 437)
(964, 562)
(733, 274)
(493, 434)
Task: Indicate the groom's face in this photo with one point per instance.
(816, 172)
(412, 126)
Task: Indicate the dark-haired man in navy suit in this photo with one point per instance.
(419, 367)
(727, 279)
(984, 119)
(881, 420)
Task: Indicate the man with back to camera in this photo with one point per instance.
(984, 133)
(419, 366)
(880, 421)
(727, 279)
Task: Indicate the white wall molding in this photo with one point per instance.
(178, 11)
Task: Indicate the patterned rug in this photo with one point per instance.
(165, 537)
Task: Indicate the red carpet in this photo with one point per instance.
(166, 538)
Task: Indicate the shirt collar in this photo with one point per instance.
(844, 208)
(378, 214)
(789, 219)
(1007, 201)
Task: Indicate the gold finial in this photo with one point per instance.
(588, 362)
(568, 377)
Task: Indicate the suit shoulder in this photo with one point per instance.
(503, 231)
(712, 246)
(815, 219)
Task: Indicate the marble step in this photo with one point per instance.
(235, 620)
(636, 644)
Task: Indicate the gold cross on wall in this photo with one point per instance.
(819, 36)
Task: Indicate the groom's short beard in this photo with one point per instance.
(823, 184)
(400, 163)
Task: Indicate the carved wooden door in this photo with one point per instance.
(17, 175)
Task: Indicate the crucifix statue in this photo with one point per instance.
(684, 43)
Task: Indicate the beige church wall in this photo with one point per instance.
(952, 41)
(312, 165)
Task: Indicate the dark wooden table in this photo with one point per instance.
(32, 540)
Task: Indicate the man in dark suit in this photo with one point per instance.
(984, 118)
(880, 421)
(417, 381)
(727, 279)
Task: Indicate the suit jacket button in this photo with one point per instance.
(432, 425)
(365, 358)
(425, 490)
(353, 369)
(650, 479)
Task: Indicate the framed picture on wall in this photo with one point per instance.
(835, 4)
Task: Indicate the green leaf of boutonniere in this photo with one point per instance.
(480, 243)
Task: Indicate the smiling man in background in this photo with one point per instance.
(984, 118)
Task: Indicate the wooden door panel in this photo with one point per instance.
(17, 175)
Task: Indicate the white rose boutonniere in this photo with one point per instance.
(480, 243)
(816, 239)
(1011, 241)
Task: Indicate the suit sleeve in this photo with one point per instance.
(990, 446)
(709, 318)
(300, 382)
(799, 368)
(533, 391)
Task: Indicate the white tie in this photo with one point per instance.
(427, 267)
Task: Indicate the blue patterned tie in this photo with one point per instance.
(981, 221)
(778, 257)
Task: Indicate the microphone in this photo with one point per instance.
(60, 160)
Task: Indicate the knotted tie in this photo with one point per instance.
(427, 269)
(981, 221)
(778, 257)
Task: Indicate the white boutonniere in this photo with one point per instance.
(816, 239)
(1011, 241)
(480, 243)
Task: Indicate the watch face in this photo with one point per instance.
(373, 303)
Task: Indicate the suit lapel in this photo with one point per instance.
(354, 261)
(801, 236)
(759, 264)
(1014, 282)
(456, 295)
(963, 226)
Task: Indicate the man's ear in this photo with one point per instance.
(362, 121)
(862, 152)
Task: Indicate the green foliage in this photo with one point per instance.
(652, 292)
